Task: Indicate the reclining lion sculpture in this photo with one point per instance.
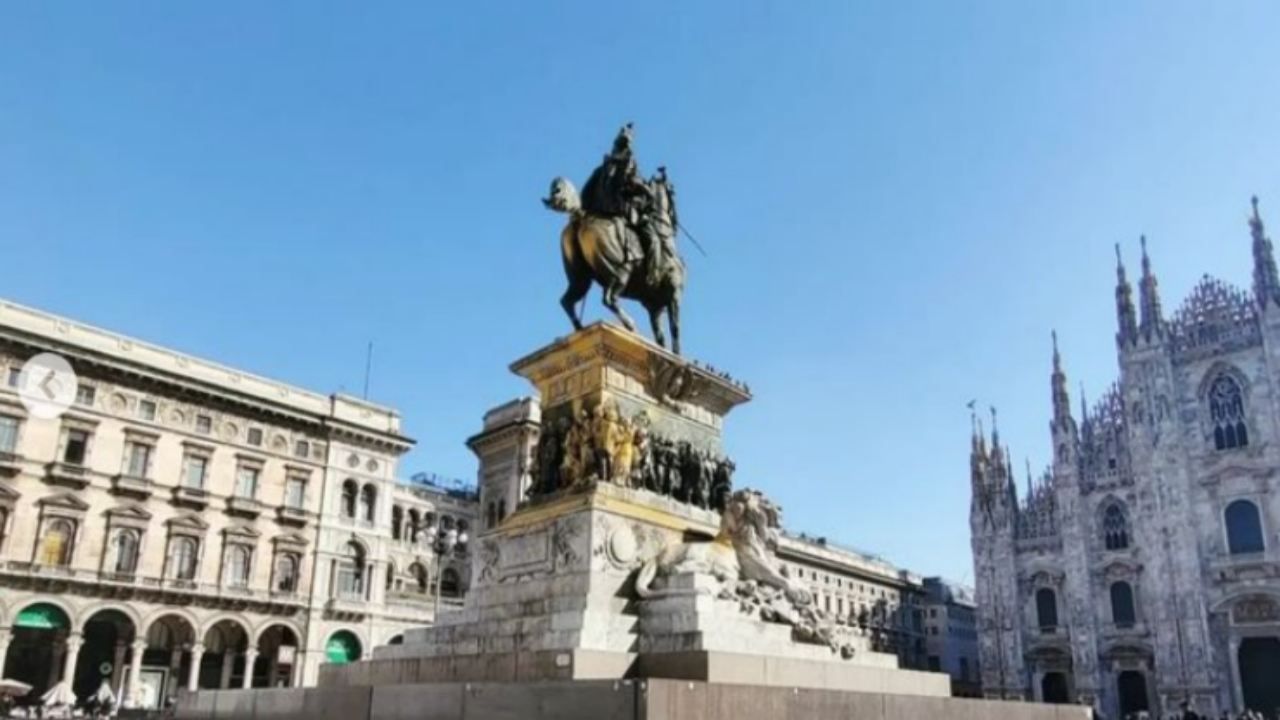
(742, 559)
(742, 550)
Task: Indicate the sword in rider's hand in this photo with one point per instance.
(692, 239)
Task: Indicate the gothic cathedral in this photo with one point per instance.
(1142, 570)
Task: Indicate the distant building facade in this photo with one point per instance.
(1143, 569)
(188, 525)
(951, 635)
(883, 601)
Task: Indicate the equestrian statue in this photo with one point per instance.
(621, 234)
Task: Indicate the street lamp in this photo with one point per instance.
(445, 544)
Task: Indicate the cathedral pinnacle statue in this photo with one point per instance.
(621, 234)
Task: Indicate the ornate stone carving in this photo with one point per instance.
(1255, 609)
(672, 382)
(565, 538)
(589, 446)
(742, 561)
(489, 556)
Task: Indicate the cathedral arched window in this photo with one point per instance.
(397, 522)
(1115, 527)
(1226, 410)
(350, 491)
(1047, 610)
(1122, 608)
(1244, 528)
(368, 503)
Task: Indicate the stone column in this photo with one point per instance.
(296, 670)
(6, 636)
(193, 673)
(228, 666)
(1237, 688)
(250, 657)
(75, 641)
(130, 699)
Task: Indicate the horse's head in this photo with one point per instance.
(563, 196)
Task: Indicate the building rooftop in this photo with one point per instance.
(127, 351)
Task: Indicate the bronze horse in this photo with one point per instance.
(609, 252)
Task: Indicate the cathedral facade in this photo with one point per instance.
(1142, 569)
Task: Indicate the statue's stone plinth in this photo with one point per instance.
(618, 409)
(601, 363)
(550, 597)
(550, 592)
(630, 473)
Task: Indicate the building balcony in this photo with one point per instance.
(1241, 567)
(244, 507)
(288, 515)
(112, 583)
(191, 497)
(132, 486)
(1117, 631)
(410, 597)
(70, 475)
(10, 463)
(1048, 636)
(348, 605)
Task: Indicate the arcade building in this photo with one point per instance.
(187, 525)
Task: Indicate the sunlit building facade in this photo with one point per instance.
(188, 525)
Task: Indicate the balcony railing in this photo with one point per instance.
(289, 515)
(410, 597)
(114, 579)
(193, 497)
(243, 506)
(132, 485)
(348, 603)
(69, 474)
(10, 463)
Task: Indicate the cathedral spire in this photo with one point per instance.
(1152, 319)
(1062, 421)
(1013, 486)
(995, 431)
(978, 440)
(1085, 425)
(1125, 315)
(1266, 282)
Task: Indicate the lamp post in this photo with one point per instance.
(445, 545)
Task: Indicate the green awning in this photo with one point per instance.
(42, 617)
(342, 648)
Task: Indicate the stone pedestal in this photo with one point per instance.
(551, 585)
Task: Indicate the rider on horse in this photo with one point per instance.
(616, 190)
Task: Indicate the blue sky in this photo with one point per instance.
(899, 202)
